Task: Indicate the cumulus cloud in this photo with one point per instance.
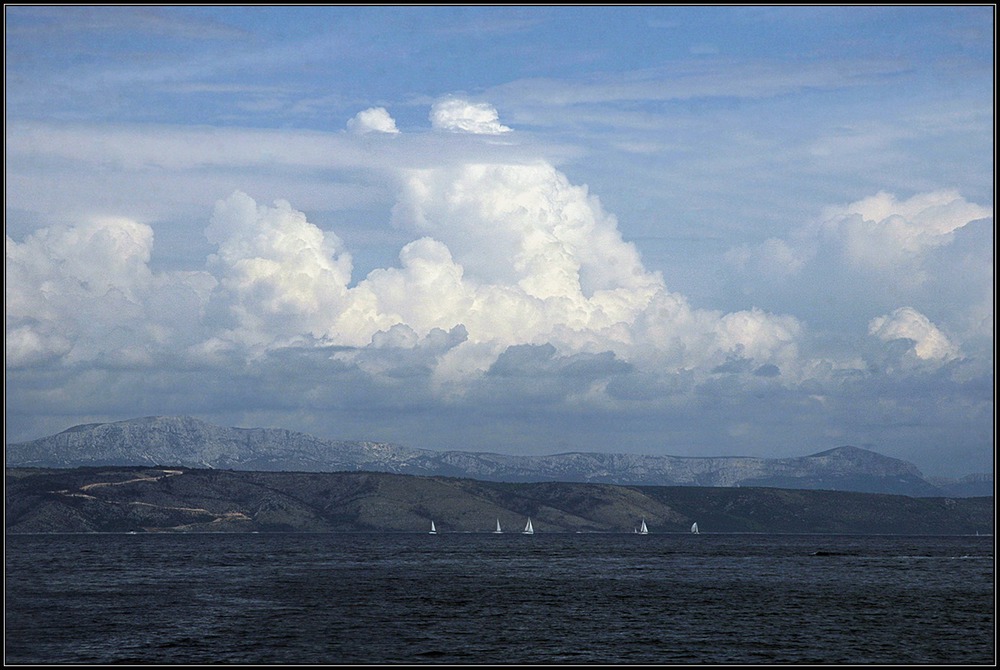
(879, 233)
(932, 252)
(459, 115)
(280, 276)
(503, 256)
(372, 120)
(523, 225)
(883, 232)
(906, 323)
(86, 293)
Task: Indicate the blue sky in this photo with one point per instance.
(691, 230)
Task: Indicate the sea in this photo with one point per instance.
(496, 599)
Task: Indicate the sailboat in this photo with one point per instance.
(642, 529)
(694, 528)
(433, 529)
(528, 530)
(498, 527)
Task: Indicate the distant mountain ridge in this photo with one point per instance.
(190, 442)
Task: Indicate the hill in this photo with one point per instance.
(140, 499)
(188, 442)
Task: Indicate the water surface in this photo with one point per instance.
(487, 599)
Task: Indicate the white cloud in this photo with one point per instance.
(280, 276)
(459, 115)
(883, 232)
(374, 119)
(932, 251)
(161, 172)
(517, 255)
(524, 225)
(506, 255)
(86, 293)
(878, 233)
(906, 323)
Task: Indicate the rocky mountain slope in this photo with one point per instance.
(188, 442)
(143, 499)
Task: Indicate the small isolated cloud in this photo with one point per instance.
(459, 115)
(373, 120)
(906, 323)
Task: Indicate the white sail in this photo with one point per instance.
(433, 529)
(498, 527)
(694, 528)
(528, 530)
(642, 529)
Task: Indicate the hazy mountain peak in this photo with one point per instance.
(191, 442)
(869, 459)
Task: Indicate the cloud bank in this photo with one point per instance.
(502, 256)
(514, 296)
(505, 256)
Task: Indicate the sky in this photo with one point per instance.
(669, 230)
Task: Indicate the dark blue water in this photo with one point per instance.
(488, 599)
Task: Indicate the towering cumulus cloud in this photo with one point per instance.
(504, 255)
(280, 276)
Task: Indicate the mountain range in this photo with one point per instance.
(192, 443)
